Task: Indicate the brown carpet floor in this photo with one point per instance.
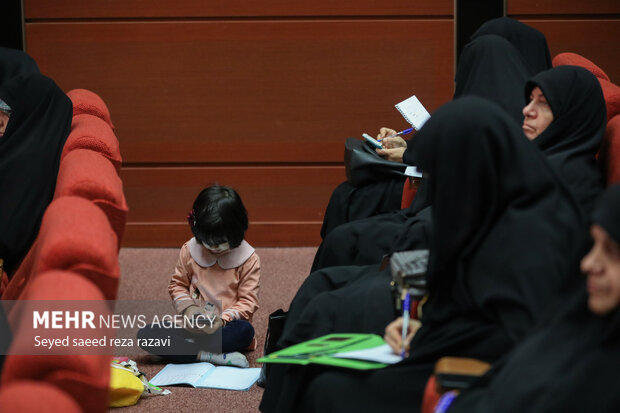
(145, 273)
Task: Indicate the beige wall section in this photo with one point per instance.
(262, 103)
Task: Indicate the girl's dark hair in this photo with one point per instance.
(218, 216)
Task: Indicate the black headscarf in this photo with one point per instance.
(530, 42)
(14, 63)
(503, 227)
(574, 136)
(490, 67)
(30, 151)
(570, 362)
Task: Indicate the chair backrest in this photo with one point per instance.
(36, 396)
(93, 133)
(611, 91)
(573, 59)
(84, 378)
(88, 102)
(90, 175)
(75, 236)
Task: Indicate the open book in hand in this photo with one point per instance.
(355, 351)
(207, 375)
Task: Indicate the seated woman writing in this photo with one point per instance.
(564, 115)
(570, 362)
(568, 126)
(350, 203)
(503, 227)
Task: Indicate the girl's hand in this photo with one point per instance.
(190, 316)
(394, 334)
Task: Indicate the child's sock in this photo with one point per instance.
(224, 359)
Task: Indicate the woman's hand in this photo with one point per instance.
(385, 132)
(395, 154)
(391, 143)
(393, 148)
(394, 334)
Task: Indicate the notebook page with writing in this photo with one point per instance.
(413, 111)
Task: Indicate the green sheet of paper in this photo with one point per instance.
(319, 350)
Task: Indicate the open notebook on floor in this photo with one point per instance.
(207, 375)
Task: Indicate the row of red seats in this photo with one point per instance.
(75, 257)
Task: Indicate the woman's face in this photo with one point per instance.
(4, 120)
(602, 267)
(537, 114)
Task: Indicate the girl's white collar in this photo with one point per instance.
(232, 259)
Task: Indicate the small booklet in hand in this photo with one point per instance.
(207, 375)
(413, 111)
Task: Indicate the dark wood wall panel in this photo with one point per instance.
(262, 91)
(45, 9)
(551, 7)
(285, 204)
(596, 40)
(260, 234)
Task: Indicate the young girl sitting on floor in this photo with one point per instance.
(215, 281)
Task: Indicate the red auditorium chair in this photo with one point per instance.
(90, 103)
(75, 236)
(91, 132)
(68, 383)
(87, 174)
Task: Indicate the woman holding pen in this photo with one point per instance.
(349, 203)
(504, 226)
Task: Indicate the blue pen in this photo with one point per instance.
(402, 132)
(406, 305)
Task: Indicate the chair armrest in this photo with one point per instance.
(457, 373)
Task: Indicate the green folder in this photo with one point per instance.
(319, 351)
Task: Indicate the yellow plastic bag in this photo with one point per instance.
(128, 384)
(125, 387)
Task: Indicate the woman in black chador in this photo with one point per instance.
(570, 142)
(571, 362)
(39, 122)
(503, 228)
(490, 67)
(350, 203)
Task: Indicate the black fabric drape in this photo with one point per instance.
(530, 43)
(367, 241)
(14, 63)
(569, 364)
(574, 136)
(30, 152)
(490, 67)
(350, 203)
(503, 229)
